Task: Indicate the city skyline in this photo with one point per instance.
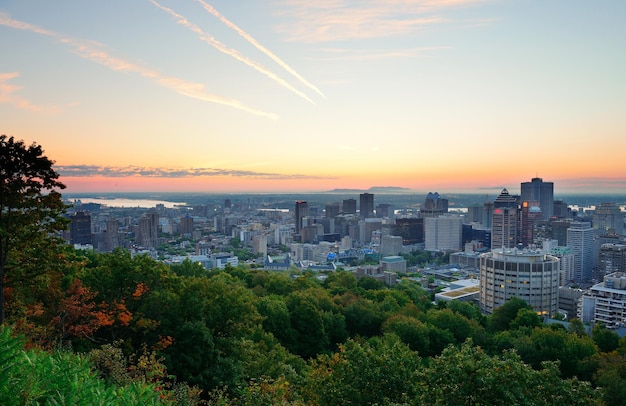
(286, 96)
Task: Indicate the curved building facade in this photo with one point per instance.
(530, 275)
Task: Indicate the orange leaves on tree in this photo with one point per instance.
(115, 312)
(163, 342)
(78, 315)
(141, 289)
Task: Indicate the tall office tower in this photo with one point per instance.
(302, 210)
(443, 233)
(349, 206)
(530, 216)
(186, 225)
(561, 210)
(411, 229)
(475, 213)
(487, 214)
(384, 210)
(566, 264)
(580, 238)
(539, 191)
(80, 228)
(608, 216)
(332, 210)
(390, 245)
(433, 205)
(529, 275)
(504, 221)
(111, 240)
(367, 227)
(612, 259)
(366, 205)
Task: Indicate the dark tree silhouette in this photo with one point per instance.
(31, 208)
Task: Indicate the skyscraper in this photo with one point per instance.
(580, 238)
(366, 206)
(434, 205)
(443, 232)
(608, 216)
(530, 216)
(80, 228)
(541, 192)
(504, 221)
(349, 206)
(302, 210)
(111, 240)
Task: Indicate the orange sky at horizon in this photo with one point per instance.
(486, 95)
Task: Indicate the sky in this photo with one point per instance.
(307, 96)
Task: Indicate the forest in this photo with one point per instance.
(85, 328)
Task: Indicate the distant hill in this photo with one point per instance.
(373, 189)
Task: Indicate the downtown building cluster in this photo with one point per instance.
(529, 246)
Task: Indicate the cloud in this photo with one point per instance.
(346, 54)
(127, 171)
(258, 46)
(90, 52)
(8, 94)
(207, 38)
(337, 20)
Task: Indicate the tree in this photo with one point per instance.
(503, 316)
(379, 371)
(468, 376)
(31, 208)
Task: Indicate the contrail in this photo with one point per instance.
(206, 37)
(181, 86)
(258, 46)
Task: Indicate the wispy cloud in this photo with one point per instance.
(346, 54)
(258, 46)
(336, 20)
(126, 171)
(9, 94)
(90, 52)
(209, 39)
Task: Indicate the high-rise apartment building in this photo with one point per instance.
(580, 238)
(541, 192)
(504, 221)
(604, 302)
(111, 238)
(366, 205)
(612, 259)
(530, 275)
(186, 225)
(301, 211)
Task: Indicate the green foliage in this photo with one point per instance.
(378, 371)
(502, 316)
(468, 376)
(60, 378)
(605, 339)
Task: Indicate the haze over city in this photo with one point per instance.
(223, 96)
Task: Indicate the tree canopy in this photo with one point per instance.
(30, 205)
